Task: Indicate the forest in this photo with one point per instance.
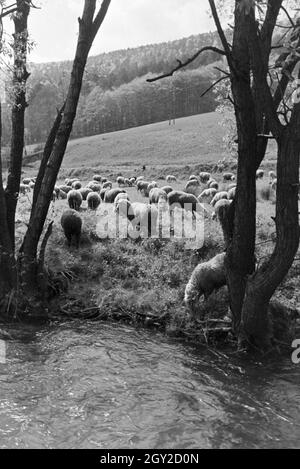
(115, 94)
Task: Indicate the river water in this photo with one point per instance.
(95, 385)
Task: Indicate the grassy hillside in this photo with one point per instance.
(191, 141)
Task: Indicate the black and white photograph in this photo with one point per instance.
(149, 228)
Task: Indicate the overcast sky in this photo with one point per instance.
(129, 23)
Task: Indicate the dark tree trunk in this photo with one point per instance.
(88, 28)
(255, 326)
(240, 253)
(20, 76)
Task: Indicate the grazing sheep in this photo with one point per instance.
(186, 201)
(74, 199)
(71, 223)
(207, 195)
(127, 182)
(191, 185)
(122, 195)
(204, 177)
(70, 181)
(76, 185)
(93, 200)
(260, 174)
(95, 186)
(206, 277)
(167, 189)
(152, 185)
(111, 194)
(228, 177)
(144, 216)
(219, 196)
(120, 181)
(231, 193)
(85, 191)
(212, 184)
(62, 195)
(107, 184)
(97, 178)
(64, 188)
(103, 192)
(220, 209)
(171, 178)
(132, 181)
(193, 177)
(31, 184)
(156, 194)
(103, 180)
(272, 175)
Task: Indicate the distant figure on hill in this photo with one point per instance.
(144, 168)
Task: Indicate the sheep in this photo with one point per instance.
(70, 181)
(231, 193)
(191, 185)
(219, 196)
(193, 177)
(107, 184)
(71, 223)
(167, 189)
(186, 201)
(207, 195)
(260, 174)
(97, 178)
(204, 177)
(93, 200)
(127, 182)
(60, 194)
(85, 191)
(102, 193)
(152, 185)
(206, 277)
(120, 181)
(142, 185)
(64, 188)
(212, 184)
(144, 216)
(228, 177)
(76, 185)
(31, 184)
(95, 186)
(122, 195)
(171, 178)
(156, 195)
(220, 209)
(111, 194)
(132, 181)
(103, 180)
(74, 199)
(272, 175)
(231, 186)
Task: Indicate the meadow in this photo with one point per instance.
(142, 282)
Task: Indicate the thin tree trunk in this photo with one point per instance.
(88, 27)
(18, 113)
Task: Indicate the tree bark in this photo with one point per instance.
(20, 76)
(88, 28)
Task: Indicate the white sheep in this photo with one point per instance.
(219, 196)
(206, 277)
(207, 195)
(171, 178)
(204, 177)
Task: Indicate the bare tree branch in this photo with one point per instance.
(187, 62)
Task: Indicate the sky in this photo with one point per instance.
(129, 23)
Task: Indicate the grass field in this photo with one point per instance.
(193, 143)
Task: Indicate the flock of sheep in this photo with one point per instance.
(213, 197)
